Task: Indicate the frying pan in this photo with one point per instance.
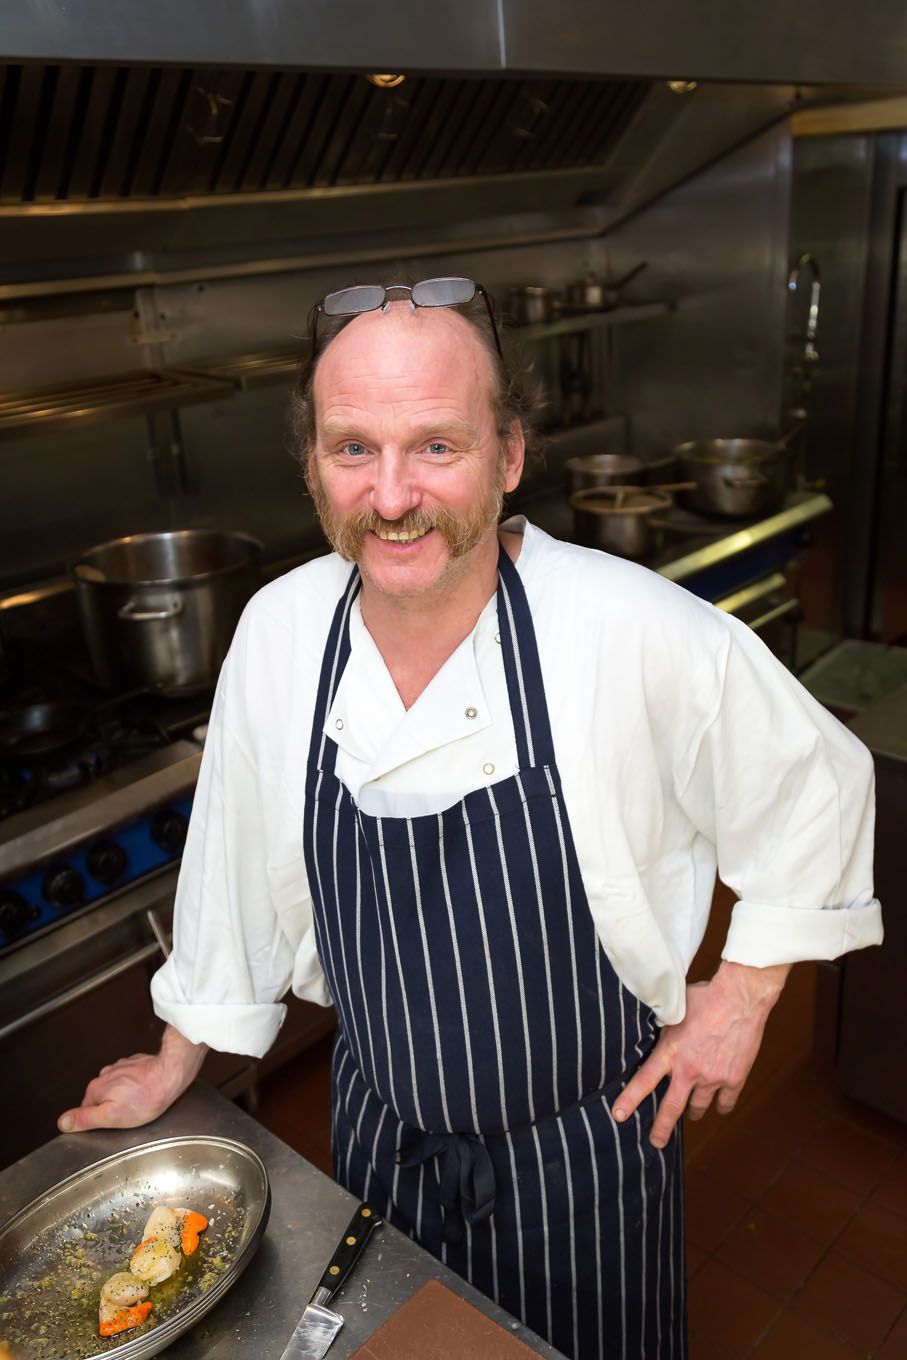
(41, 729)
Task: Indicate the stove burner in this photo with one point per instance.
(53, 745)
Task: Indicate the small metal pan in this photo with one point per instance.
(58, 1251)
(41, 729)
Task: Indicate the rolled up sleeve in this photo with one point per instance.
(243, 929)
(786, 794)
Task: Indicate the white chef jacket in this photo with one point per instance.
(684, 747)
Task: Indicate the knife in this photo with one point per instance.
(318, 1326)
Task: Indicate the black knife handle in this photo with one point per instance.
(349, 1249)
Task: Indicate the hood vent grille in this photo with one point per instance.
(108, 133)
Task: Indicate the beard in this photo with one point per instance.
(462, 532)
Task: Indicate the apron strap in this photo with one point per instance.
(528, 706)
(323, 753)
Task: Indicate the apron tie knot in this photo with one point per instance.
(465, 1175)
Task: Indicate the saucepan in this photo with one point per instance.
(594, 294)
(41, 729)
(531, 304)
(621, 519)
(736, 477)
(604, 469)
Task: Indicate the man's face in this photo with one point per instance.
(408, 468)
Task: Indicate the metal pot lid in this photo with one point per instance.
(620, 500)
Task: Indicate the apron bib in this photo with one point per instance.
(483, 1035)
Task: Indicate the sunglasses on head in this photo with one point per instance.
(368, 297)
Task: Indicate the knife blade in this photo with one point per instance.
(318, 1326)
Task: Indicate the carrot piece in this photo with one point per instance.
(193, 1224)
(125, 1318)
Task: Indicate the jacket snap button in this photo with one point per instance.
(489, 768)
(472, 712)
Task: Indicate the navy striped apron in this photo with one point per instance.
(483, 1036)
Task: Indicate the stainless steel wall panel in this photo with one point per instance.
(64, 492)
(717, 245)
(242, 473)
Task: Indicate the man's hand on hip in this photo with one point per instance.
(136, 1090)
(708, 1055)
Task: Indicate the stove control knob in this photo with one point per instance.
(63, 886)
(14, 913)
(168, 830)
(107, 862)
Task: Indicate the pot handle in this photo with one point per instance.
(130, 611)
(739, 483)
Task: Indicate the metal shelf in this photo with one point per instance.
(103, 399)
(253, 370)
(590, 321)
(270, 366)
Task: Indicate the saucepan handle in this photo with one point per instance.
(131, 611)
(739, 483)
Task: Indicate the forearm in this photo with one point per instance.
(751, 988)
(180, 1059)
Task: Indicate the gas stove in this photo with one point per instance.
(95, 792)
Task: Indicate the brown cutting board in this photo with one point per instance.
(437, 1325)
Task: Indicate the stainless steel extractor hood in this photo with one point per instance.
(146, 142)
(773, 41)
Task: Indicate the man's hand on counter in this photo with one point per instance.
(708, 1055)
(136, 1090)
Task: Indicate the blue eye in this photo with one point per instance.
(437, 447)
(354, 448)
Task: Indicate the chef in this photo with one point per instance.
(471, 785)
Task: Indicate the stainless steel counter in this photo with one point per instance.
(308, 1214)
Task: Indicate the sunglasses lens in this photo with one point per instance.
(443, 292)
(351, 301)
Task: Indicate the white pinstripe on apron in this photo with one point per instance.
(483, 1035)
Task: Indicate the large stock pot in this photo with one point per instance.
(159, 610)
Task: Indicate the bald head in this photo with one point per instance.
(400, 356)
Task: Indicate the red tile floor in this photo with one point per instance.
(796, 1202)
